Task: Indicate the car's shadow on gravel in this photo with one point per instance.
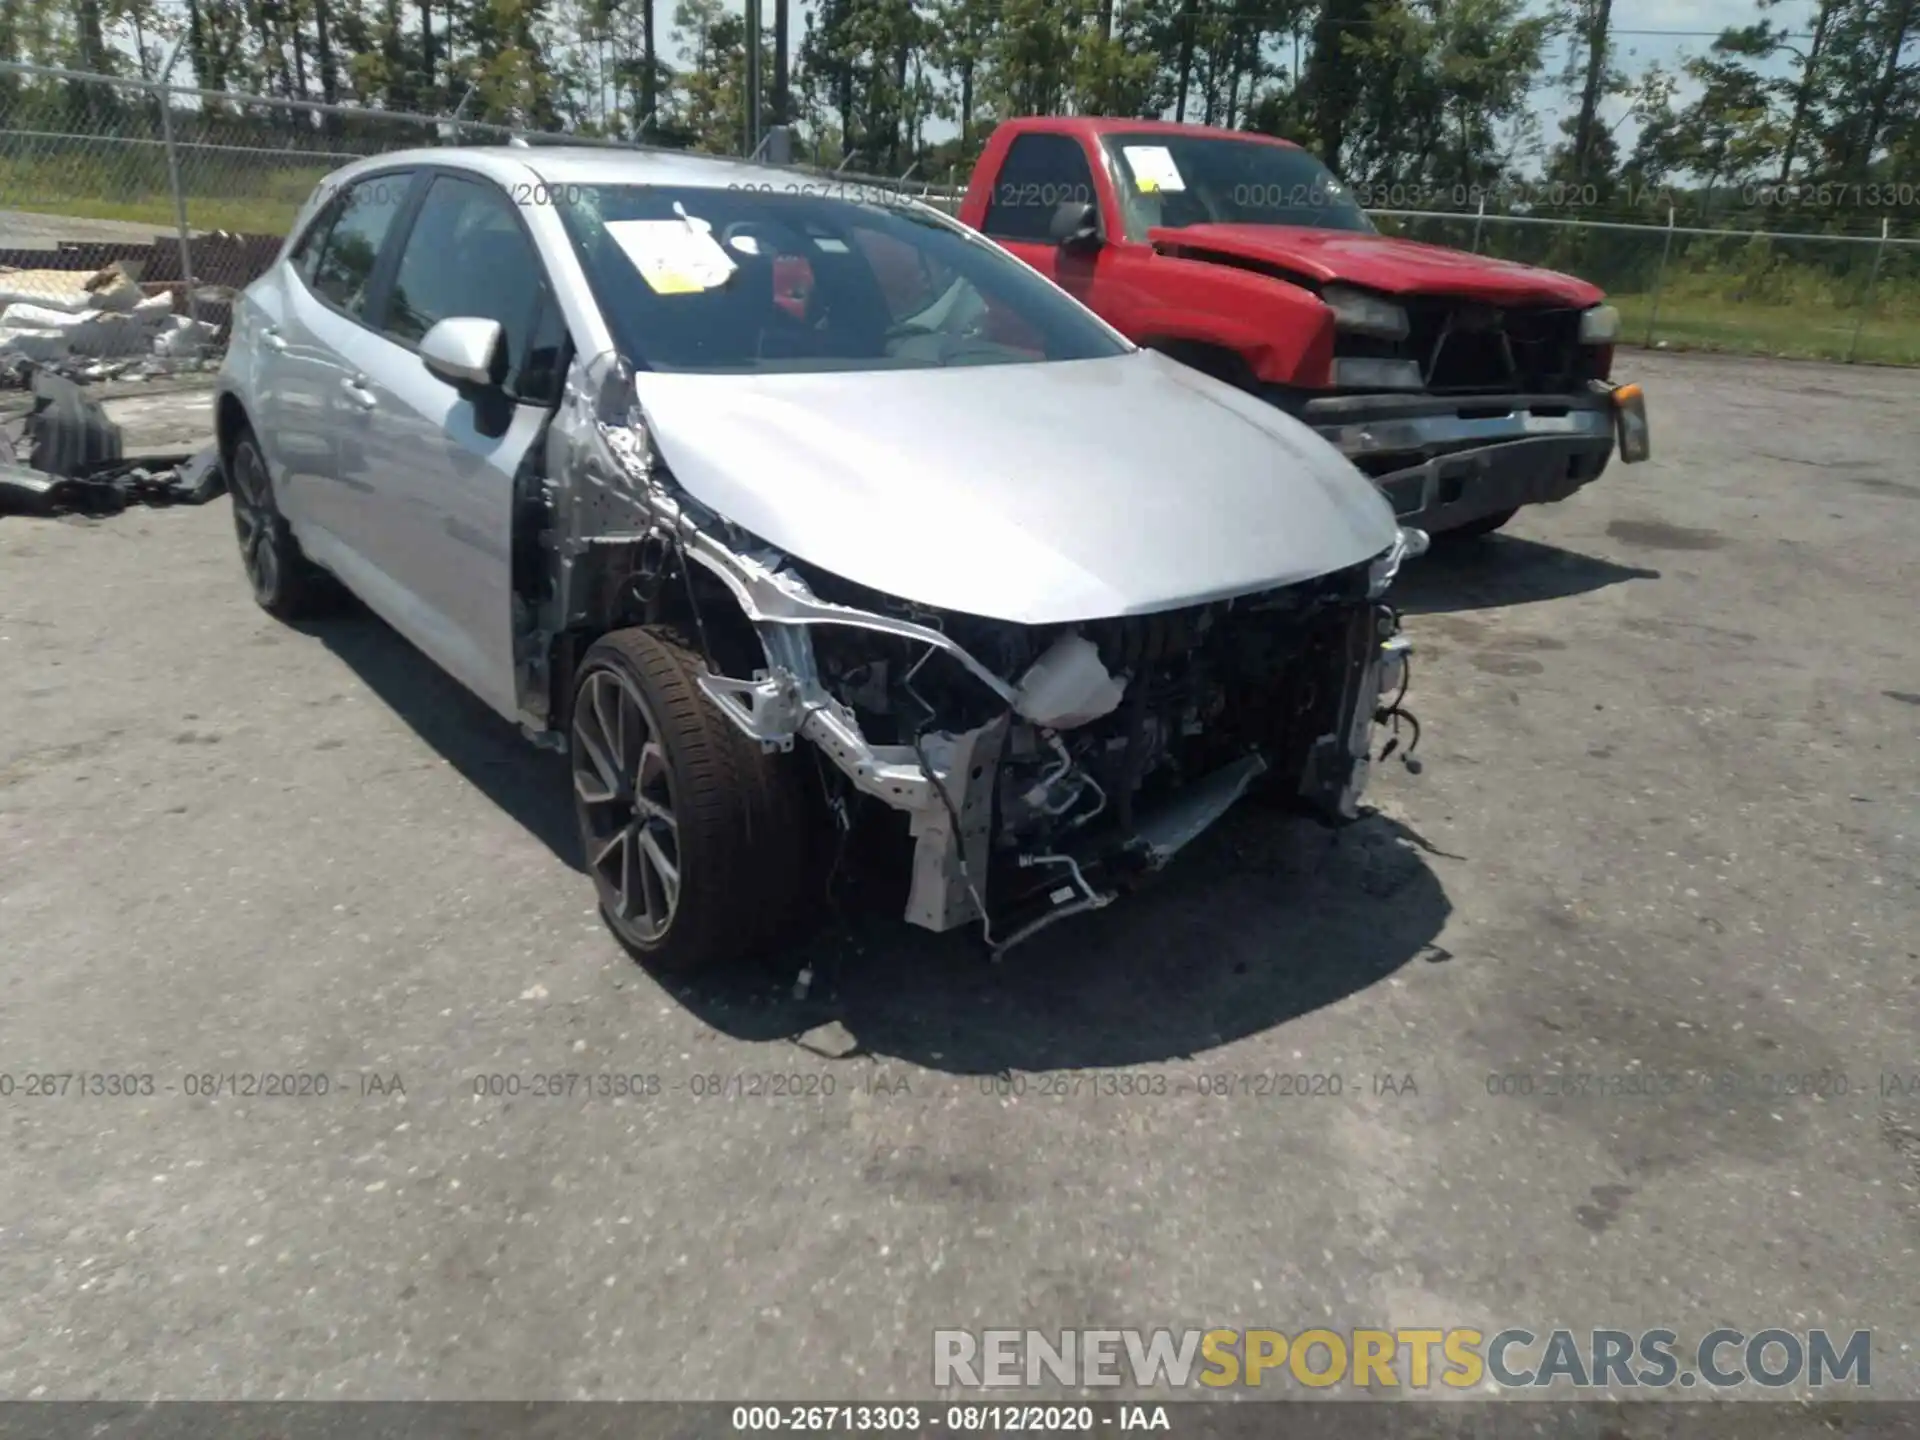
(531, 785)
(1497, 570)
(1263, 919)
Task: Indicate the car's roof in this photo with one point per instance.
(588, 165)
(605, 165)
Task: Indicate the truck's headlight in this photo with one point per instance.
(1365, 314)
(1600, 325)
(1361, 374)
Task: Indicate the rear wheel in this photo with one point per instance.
(1474, 529)
(286, 584)
(694, 836)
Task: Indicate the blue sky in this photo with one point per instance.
(1635, 52)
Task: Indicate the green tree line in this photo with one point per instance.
(1811, 108)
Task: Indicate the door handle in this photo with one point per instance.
(355, 386)
(271, 337)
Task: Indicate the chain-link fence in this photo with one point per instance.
(130, 211)
(1806, 295)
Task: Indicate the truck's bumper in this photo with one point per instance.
(1445, 461)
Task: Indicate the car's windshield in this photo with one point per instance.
(783, 277)
(1173, 180)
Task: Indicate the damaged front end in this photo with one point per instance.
(1039, 768)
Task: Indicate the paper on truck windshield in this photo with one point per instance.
(674, 257)
(1153, 168)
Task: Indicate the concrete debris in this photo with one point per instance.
(16, 371)
(179, 337)
(65, 318)
(71, 291)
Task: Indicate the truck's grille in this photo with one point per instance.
(1466, 348)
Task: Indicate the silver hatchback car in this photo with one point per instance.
(795, 512)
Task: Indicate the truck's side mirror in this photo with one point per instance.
(1076, 225)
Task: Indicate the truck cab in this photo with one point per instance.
(1464, 386)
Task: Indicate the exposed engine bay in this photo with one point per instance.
(1124, 737)
(1039, 768)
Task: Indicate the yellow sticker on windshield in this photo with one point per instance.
(672, 282)
(1153, 168)
(674, 257)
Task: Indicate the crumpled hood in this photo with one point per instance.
(1035, 493)
(1384, 263)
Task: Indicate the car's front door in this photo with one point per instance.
(438, 462)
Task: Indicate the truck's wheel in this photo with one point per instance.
(695, 837)
(1474, 529)
(286, 584)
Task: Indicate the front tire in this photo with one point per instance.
(286, 584)
(693, 834)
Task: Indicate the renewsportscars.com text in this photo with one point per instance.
(1403, 1359)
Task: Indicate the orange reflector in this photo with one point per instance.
(1626, 394)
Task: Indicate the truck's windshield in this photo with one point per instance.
(1173, 180)
(801, 275)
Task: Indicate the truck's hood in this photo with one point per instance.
(1036, 493)
(1381, 262)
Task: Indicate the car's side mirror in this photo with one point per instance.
(464, 350)
(1076, 225)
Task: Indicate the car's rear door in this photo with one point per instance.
(438, 462)
(316, 342)
(276, 379)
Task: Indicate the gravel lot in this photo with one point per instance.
(1668, 825)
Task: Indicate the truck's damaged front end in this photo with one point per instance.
(1039, 768)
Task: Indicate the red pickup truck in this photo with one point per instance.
(1465, 387)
